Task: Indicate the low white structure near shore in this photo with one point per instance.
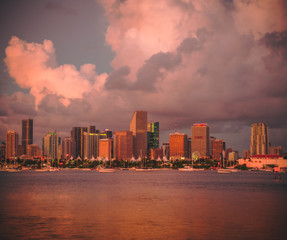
(261, 161)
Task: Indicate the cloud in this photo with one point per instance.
(221, 62)
(34, 67)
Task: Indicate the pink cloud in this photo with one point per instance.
(34, 66)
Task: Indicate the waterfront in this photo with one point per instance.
(75, 204)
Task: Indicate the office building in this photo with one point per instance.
(156, 153)
(67, 148)
(153, 135)
(275, 150)
(218, 146)
(91, 144)
(106, 148)
(200, 139)
(178, 146)
(77, 134)
(27, 133)
(12, 141)
(50, 145)
(138, 126)
(33, 150)
(165, 149)
(259, 141)
(123, 145)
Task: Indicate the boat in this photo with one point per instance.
(14, 170)
(222, 170)
(106, 170)
(186, 169)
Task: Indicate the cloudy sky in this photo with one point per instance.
(69, 63)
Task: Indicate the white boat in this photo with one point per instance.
(186, 169)
(106, 170)
(222, 170)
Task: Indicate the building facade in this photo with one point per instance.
(12, 142)
(218, 146)
(91, 144)
(106, 148)
(33, 150)
(123, 145)
(27, 133)
(178, 146)
(50, 145)
(67, 148)
(200, 139)
(77, 134)
(259, 141)
(153, 135)
(138, 126)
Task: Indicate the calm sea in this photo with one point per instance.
(75, 204)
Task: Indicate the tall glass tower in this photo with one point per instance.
(27, 133)
(138, 126)
(153, 135)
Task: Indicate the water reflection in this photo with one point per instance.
(151, 205)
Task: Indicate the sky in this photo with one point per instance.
(69, 63)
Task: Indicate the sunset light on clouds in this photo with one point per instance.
(222, 62)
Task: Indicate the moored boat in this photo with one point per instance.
(186, 169)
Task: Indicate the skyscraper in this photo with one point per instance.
(218, 146)
(77, 134)
(50, 145)
(12, 141)
(67, 148)
(91, 144)
(106, 148)
(27, 133)
(138, 126)
(153, 135)
(200, 139)
(178, 145)
(123, 145)
(259, 141)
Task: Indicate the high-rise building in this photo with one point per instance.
(153, 135)
(33, 150)
(92, 129)
(165, 149)
(50, 145)
(77, 134)
(67, 148)
(178, 146)
(156, 153)
(12, 141)
(218, 146)
(275, 150)
(200, 139)
(138, 126)
(2, 151)
(259, 141)
(91, 144)
(27, 133)
(123, 145)
(106, 148)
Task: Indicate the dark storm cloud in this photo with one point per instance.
(117, 79)
(153, 68)
(277, 42)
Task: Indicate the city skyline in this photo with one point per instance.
(85, 142)
(69, 64)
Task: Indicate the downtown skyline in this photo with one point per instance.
(68, 64)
